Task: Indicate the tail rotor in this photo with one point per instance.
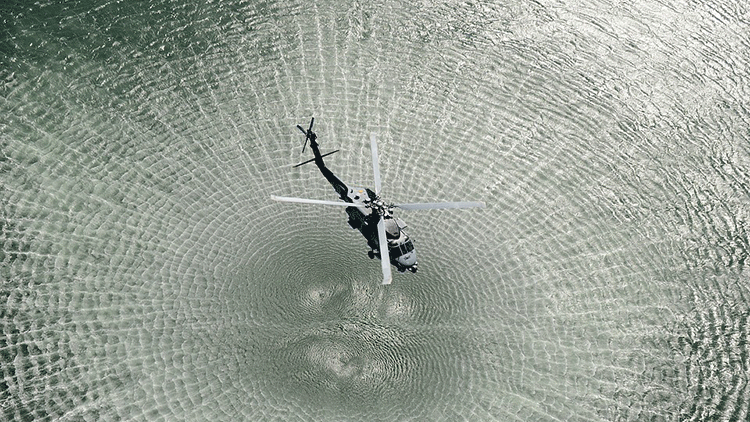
(309, 134)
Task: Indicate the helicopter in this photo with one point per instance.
(368, 213)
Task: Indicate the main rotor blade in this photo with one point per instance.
(303, 130)
(385, 258)
(375, 166)
(440, 205)
(314, 201)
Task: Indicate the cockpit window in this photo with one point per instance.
(402, 249)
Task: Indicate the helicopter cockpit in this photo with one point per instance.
(404, 254)
(400, 245)
(400, 249)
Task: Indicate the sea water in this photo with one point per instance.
(146, 275)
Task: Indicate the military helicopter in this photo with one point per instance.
(369, 214)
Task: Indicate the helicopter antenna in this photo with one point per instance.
(308, 133)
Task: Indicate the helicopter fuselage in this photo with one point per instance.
(365, 218)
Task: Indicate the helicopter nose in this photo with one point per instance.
(408, 259)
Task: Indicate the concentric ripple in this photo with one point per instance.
(145, 274)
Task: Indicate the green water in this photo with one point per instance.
(146, 275)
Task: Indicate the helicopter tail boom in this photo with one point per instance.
(340, 187)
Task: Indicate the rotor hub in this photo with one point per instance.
(380, 207)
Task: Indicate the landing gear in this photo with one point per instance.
(412, 268)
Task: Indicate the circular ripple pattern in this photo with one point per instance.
(146, 275)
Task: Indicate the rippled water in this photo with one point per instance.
(146, 275)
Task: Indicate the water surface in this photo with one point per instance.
(146, 275)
